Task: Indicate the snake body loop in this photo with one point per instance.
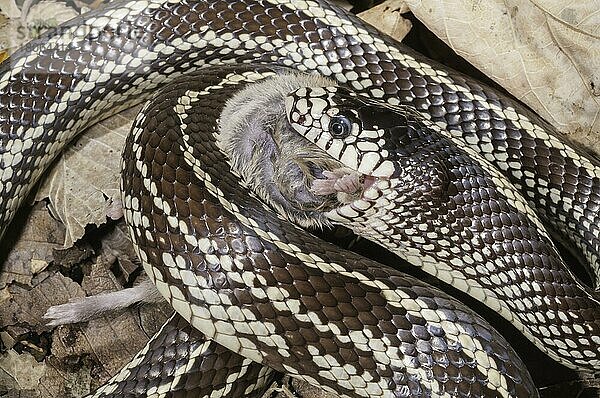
(272, 292)
(116, 56)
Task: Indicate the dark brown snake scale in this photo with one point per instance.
(213, 250)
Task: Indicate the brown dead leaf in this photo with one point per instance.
(71, 377)
(305, 390)
(34, 249)
(85, 181)
(545, 52)
(100, 279)
(27, 306)
(117, 246)
(387, 17)
(19, 371)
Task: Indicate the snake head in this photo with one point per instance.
(365, 136)
(382, 148)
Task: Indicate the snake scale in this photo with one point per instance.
(111, 58)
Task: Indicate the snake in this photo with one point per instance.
(236, 270)
(111, 58)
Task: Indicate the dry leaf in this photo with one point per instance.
(18, 26)
(388, 18)
(34, 250)
(545, 52)
(66, 378)
(117, 246)
(50, 13)
(305, 390)
(10, 9)
(27, 306)
(84, 183)
(20, 371)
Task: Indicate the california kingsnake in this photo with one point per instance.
(51, 94)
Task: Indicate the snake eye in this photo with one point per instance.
(340, 126)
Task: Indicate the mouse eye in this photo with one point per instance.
(340, 126)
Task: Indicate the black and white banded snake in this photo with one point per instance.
(67, 88)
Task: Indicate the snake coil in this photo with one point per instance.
(76, 77)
